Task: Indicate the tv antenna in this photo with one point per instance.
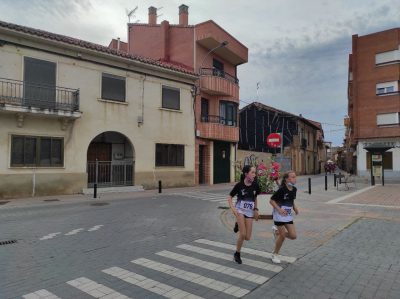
(131, 13)
(158, 9)
(258, 87)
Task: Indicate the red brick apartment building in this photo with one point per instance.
(213, 53)
(374, 101)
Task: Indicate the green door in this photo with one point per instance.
(222, 162)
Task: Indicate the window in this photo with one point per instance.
(30, 151)
(204, 109)
(387, 57)
(388, 119)
(228, 113)
(170, 155)
(113, 88)
(171, 98)
(387, 87)
(387, 160)
(40, 83)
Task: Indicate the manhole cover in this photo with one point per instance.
(54, 199)
(223, 208)
(98, 204)
(4, 202)
(8, 242)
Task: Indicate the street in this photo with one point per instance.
(179, 244)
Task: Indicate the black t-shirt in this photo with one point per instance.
(284, 197)
(244, 192)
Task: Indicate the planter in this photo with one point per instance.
(264, 207)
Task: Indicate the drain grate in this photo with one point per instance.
(99, 204)
(8, 242)
(53, 199)
(3, 202)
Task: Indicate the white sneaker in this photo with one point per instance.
(275, 259)
(274, 231)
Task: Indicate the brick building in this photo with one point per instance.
(374, 101)
(209, 50)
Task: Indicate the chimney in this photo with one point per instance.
(165, 40)
(152, 15)
(118, 43)
(183, 15)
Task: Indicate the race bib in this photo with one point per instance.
(279, 218)
(245, 207)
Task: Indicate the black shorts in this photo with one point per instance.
(277, 223)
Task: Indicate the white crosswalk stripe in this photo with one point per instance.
(193, 277)
(258, 279)
(94, 228)
(95, 289)
(74, 232)
(41, 294)
(229, 257)
(212, 197)
(245, 250)
(149, 284)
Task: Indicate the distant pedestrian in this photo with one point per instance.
(245, 209)
(282, 202)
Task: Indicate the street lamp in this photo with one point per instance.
(221, 45)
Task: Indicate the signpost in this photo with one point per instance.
(274, 140)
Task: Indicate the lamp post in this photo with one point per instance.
(221, 45)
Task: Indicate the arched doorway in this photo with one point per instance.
(111, 161)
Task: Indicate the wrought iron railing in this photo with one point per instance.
(110, 173)
(218, 73)
(216, 119)
(20, 93)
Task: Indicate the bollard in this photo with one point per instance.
(159, 187)
(326, 182)
(309, 185)
(95, 190)
(340, 178)
(334, 180)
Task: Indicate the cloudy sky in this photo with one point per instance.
(298, 50)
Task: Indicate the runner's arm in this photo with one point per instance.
(232, 206)
(277, 207)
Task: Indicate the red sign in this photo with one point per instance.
(274, 140)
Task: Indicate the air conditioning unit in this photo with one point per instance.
(197, 133)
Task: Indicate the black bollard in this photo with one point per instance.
(95, 190)
(326, 182)
(159, 187)
(309, 185)
(334, 180)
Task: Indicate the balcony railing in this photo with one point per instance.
(218, 120)
(20, 93)
(218, 73)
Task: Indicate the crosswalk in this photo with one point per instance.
(200, 269)
(206, 196)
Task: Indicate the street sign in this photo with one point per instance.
(274, 140)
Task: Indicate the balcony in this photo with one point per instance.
(41, 100)
(218, 128)
(217, 82)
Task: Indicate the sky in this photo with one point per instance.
(298, 50)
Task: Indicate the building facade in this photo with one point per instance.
(213, 53)
(73, 113)
(374, 102)
(302, 148)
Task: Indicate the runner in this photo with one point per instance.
(245, 209)
(282, 202)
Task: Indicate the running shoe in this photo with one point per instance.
(237, 258)
(275, 259)
(236, 228)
